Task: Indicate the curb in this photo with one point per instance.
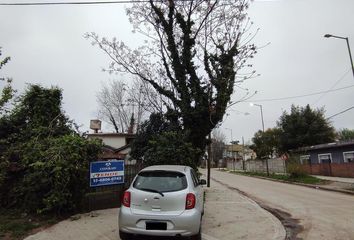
(302, 184)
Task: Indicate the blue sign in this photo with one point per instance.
(106, 173)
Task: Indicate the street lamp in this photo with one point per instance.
(231, 134)
(232, 149)
(260, 106)
(350, 54)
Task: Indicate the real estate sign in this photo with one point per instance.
(108, 172)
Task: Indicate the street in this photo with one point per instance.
(322, 214)
(229, 215)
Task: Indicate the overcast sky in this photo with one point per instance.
(46, 45)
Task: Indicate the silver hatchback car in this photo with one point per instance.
(164, 200)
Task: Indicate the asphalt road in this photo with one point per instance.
(322, 214)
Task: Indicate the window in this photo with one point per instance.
(194, 178)
(348, 157)
(162, 181)
(325, 158)
(305, 159)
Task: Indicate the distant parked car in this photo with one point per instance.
(164, 200)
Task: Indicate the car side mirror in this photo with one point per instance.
(202, 182)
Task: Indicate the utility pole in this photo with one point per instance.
(209, 157)
(209, 146)
(243, 154)
(261, 108)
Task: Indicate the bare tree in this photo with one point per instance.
(118, 102)
(217, 145)
(194, 50)
(218, 135)
(113, 105)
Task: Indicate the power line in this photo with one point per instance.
(72, 3)
(79, 3)
(301, 96)
(346, 110)
(333, 86)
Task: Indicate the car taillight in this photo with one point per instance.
(126, 199)
(190, 201)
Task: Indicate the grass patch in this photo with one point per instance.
(16, 225)
(285, 177)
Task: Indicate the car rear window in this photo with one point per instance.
(162, 181)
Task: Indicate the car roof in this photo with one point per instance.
(176, 168)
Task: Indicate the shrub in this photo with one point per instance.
(295, 170)
(53, 176)
(170, 148)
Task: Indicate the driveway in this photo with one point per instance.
(228, 216)
(322, 214)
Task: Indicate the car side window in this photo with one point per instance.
(194, 177)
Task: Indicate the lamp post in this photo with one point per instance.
(232, 149)
(261, 107)
(347, 40)
(231, 134)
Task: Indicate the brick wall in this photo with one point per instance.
(331, 169)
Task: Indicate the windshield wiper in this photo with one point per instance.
(151, 190)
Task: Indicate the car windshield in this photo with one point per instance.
(160, 181)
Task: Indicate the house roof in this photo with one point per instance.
(326, 145)
(234, 148)
(112, 149)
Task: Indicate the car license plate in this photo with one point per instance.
(152, 225)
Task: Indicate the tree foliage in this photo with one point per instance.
(304, 126)
(345, 134)
(171, 148)
(43, 161)
(157, 124)
(7, 91)
(162, 141)
(267, 143)
(37, 115)
(192, 55)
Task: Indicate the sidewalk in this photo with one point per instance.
(335, 179)
(228, 216)
(232, 216)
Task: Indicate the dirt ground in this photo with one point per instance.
(228, 216)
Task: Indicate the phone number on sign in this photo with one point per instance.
(110, 179)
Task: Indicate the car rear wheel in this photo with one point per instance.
(199, 235)
(125, 236)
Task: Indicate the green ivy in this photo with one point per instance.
(44, 163)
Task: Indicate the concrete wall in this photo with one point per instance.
(234, 164)
(276, 165)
